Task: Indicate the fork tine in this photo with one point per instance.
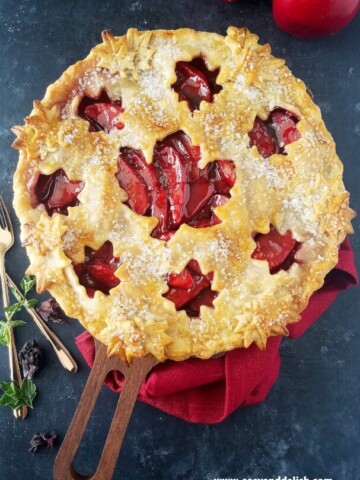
(5, 217)
(2, 220)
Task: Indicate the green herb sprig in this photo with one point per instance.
(16, 396)
(27, 284)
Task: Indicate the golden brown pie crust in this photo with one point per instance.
(302, 192)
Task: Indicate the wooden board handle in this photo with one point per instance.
(134, 375)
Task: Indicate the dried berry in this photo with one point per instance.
(50, 310)
(30, 357)
(42, 440)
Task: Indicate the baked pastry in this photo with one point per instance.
(179, 193)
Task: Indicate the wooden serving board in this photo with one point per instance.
(134, 375)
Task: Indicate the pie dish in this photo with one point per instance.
(179, 193)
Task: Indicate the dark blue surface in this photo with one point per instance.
(309, 424)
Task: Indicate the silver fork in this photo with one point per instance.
(6, 242)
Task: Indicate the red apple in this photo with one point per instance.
(314, 18)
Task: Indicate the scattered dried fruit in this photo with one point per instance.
(50, 310)
(30, 357)
(42, 440)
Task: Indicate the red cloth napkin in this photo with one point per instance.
(207, 391)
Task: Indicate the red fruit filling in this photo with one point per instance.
(97, 272)
(173, 188)
(190, 289)
(102, 113)
(270, 136)
(279, 250)
(56, 192)
(195, 82)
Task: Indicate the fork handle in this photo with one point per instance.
(59, 348)
(15, 374)
(4, 287)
